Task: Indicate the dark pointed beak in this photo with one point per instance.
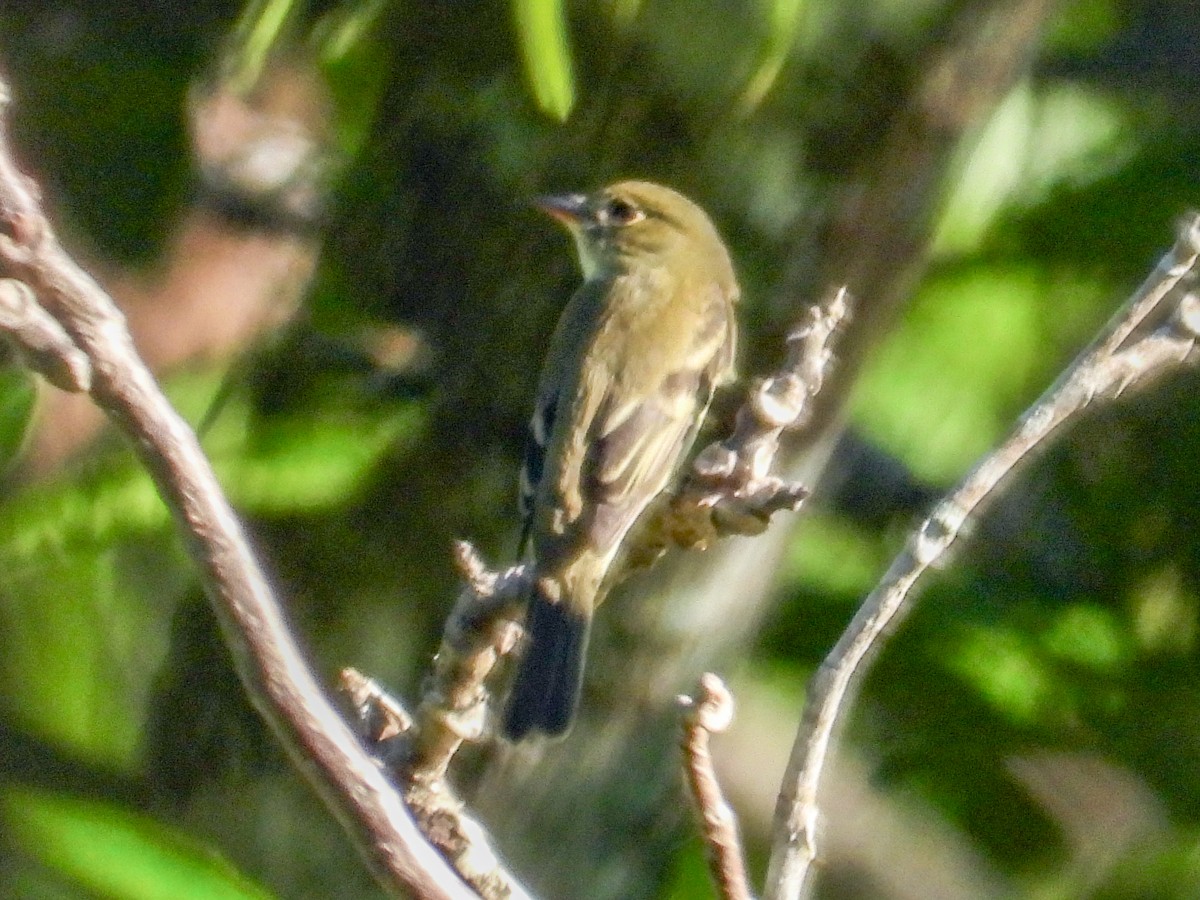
(569, 209)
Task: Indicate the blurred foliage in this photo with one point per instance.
(1069, 623)
(542, 33)
(17, 398)
(116, 853)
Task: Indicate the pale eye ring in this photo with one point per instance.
(622, 212)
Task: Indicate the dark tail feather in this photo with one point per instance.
(546, 690)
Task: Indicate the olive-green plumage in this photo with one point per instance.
(627, 379)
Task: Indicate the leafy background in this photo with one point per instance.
(1030, 731)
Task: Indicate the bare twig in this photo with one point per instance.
(730, 490)
(380, 717)
(711, 713)
(1117, 362)
(41, 341)
(480, 630)
(273, 671)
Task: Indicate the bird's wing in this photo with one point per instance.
(639, 442)
(617, 449)
(540, 425)
(575, 331)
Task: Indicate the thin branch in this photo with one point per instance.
(729, 490)
(1116, 363)
(271, 667)
(712, 713)
(40, 340)
(418, 749)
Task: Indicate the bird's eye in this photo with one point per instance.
(622, 212)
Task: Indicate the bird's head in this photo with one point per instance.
(635, 223)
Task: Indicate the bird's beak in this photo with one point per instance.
(569, 209)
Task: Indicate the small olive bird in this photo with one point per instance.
(629, 374)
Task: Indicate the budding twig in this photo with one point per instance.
(730, 488)
(711, 712)
(388, 730)
(480, 630)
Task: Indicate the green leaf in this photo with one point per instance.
(1008, 673)
(116, 853)
(17, 396)
(784, 24)
(542, 36)
(1037, 139)
(258, 33)
(305, 465)
(356, 64)
(940, 391)
(91, 571)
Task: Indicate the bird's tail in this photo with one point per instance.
(546, 690)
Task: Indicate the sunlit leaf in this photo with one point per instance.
(830, 555)
(1164, 612)
(542, 35)
(1035, 140)
(942, 388)
(356, 66)
(113, 852)
(91, 571)
(784, 18)
(1089, 636)
(17, 396)
(1005, 669)
(306, 465)
(256, 35)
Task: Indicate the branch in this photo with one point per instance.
(40, 340)
(729, 490)
(274, 673)
(1131, 353)
(481, 629)
(712, 713)
(390, 732)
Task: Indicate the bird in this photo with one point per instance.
(629, 374)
